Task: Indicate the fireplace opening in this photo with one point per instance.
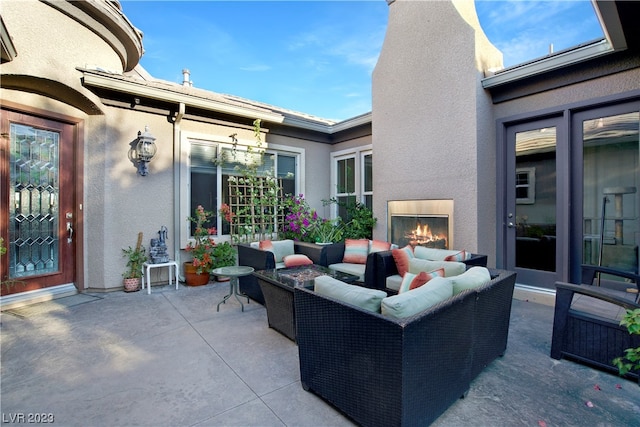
(427, 223)
(430, 231)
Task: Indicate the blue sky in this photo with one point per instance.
(317, 57)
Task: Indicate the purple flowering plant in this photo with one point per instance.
(300, 221)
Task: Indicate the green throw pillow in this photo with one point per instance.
(365, 298)
(282, 248)
(451, 268)
(472, 278)
(416, 300)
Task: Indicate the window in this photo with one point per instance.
(367, 179)
(353, 179)
(210, 165)
(526, 186)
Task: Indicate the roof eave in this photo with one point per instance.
(124, 86)
(548, 63)
(102, 81)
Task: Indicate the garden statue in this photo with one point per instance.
(158, 251)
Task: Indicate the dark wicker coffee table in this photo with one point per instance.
(277, 288)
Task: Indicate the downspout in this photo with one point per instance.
(177, 119)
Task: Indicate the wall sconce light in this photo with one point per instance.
(144, 151)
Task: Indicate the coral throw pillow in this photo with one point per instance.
(356, 251)
(296, 260)
(379, 246)
(412, 281)
(401, 257)
(266, 245)
(460, 256)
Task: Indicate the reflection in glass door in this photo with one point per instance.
(610, 226)
(536, 199)
(531, 196)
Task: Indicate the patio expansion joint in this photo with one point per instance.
(210, 346)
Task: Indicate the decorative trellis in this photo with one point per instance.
(255, 203)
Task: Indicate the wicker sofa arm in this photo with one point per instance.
(256, 258)
(335, 253)
(316, 253)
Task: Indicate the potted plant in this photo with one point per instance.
(197, 271)
(631, 359)
(135, 258)
(360, 220)
(328, 231)
(224, 255)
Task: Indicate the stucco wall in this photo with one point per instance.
(51, 45)
(429, 116)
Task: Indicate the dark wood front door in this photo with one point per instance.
(37, 221)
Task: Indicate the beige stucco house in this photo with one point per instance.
(510, 162)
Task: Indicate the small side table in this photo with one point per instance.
(146, 277)
(233, 272)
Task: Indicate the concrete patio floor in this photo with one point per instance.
(169, 359)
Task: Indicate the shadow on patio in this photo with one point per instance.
(169, 359)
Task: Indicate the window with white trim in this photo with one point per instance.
(352, 178)
(212, 163)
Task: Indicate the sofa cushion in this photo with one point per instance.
(280, 248)
(356, 251)
(296, 260)
(417, 300)
(472, 278)
(355, 269)
(416, 265)
(402, 257)
(432, 253)
(411, 281)
(393, 282)
(378, 246)
(365, 298)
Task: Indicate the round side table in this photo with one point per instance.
(233, 272)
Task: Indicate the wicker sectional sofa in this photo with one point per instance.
(325, 255)
(381, 371)
(252, 256)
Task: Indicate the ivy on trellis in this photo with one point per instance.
(256, 204)
(255, 195)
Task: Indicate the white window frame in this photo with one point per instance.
(358, 154)
(222, 142)
(530, 185)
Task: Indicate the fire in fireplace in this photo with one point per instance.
(426, 223)
(429, 231)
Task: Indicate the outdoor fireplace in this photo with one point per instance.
(426, 223)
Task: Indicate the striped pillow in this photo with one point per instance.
(378, 246)
(402, 257)
(460, 256)
(412, 281)
(355, 251)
